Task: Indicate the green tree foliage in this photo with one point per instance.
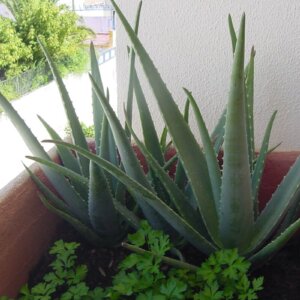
(13, 52)
(55, 25)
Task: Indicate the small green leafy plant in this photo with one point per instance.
(66, 277)
(149, 274)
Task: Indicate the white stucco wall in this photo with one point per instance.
(190, 44)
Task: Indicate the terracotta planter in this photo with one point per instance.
(27, 228)
(277, 165)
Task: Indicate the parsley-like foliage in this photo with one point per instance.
(66, 276)
(148, 274)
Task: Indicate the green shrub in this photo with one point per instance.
(14, 53)
(88, 131)
(9, 91)
(76, 63)
(55, 25)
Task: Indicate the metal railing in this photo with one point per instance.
(28, 81)
(20, 85)
(107, 55)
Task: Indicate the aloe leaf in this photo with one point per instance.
(79, 226)
(150, 136)
(249, 89)
(120, 193)
(186, 114)
(59, 204)
(260, 163)
(211, 159)
(97, 108)
(103, 215)
(182, 137)
(131, 70)
(277, 207)
(190, 196)
(113, 155)
(274, 148)
(31, 141)
(108, 148)
(177, 222)
(236, 214)
(293, 212)
(74, 123)
(163, 139)
(105, 147)
(269, 151)
(262, 255)
(217, 136)
(66, 156)
(61, 185)
(127, 154)
(128, 158)
(127, 215)
(181, 204)
(79, 182)
(180, 175)
(75, 177)
(170, 162)
(168, 146)
(232, 33)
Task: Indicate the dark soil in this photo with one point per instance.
(281, 273)
(102, 263)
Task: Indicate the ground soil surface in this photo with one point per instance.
(281, 273)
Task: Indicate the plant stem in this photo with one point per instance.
(170, 261)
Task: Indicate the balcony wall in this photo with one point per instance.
(190, 44)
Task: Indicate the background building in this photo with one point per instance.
(100, 18)
(97, 15)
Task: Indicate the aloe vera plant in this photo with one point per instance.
(88, 197)
(204, 205)
(214, 208)
(85, 194)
